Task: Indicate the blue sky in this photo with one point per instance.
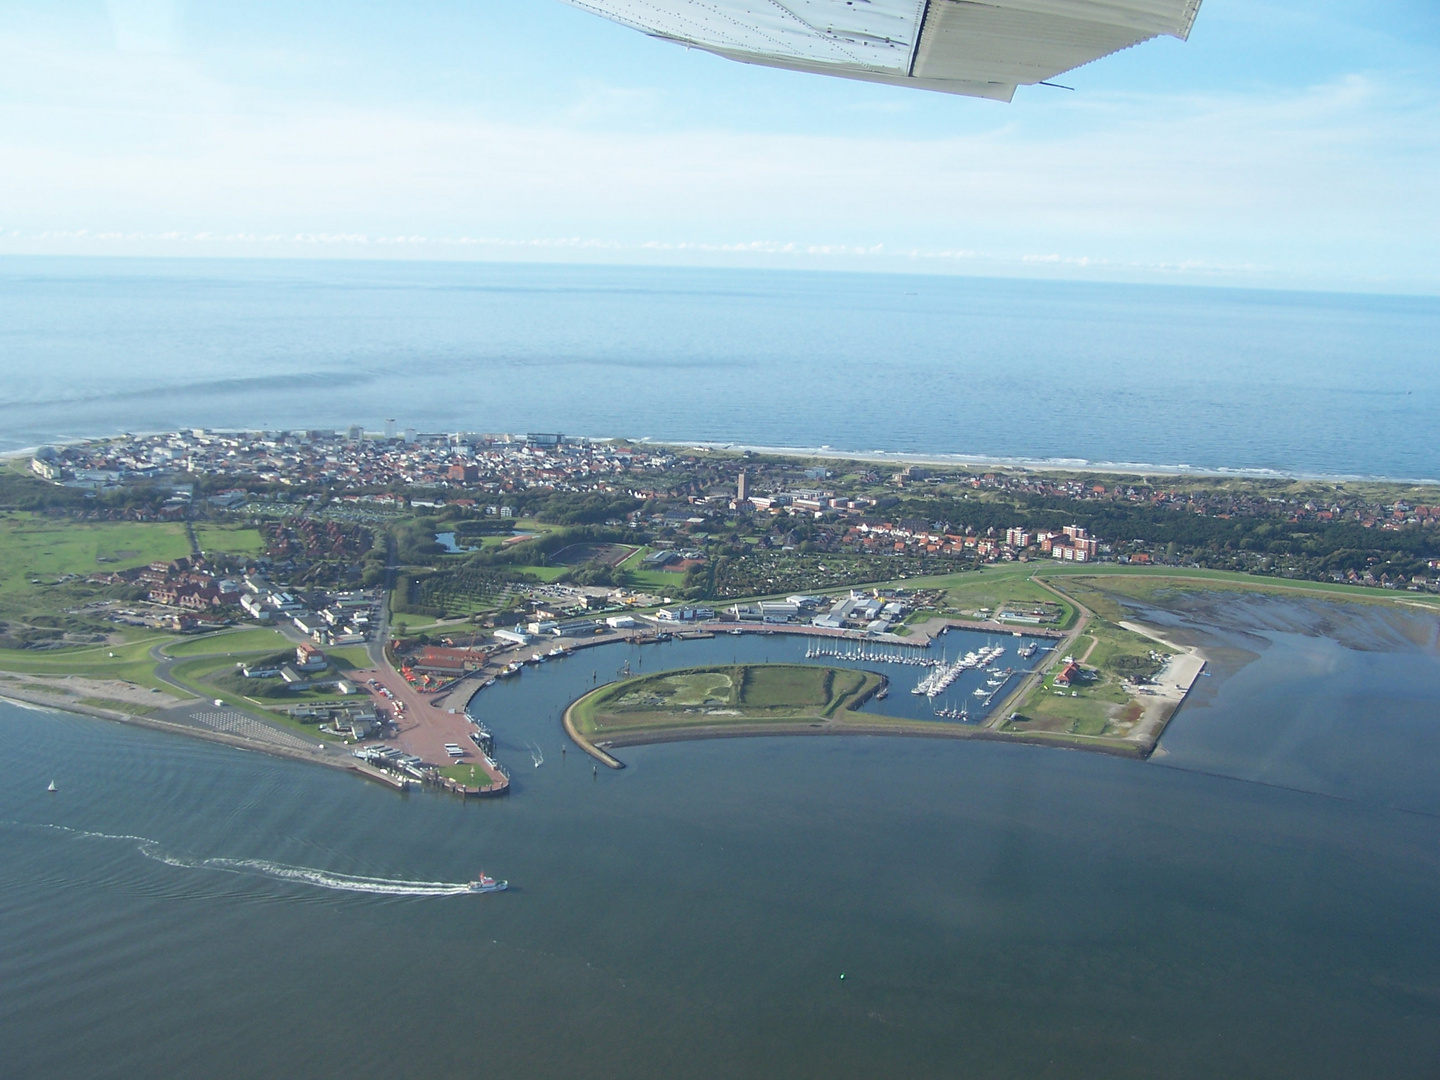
(1288, 144)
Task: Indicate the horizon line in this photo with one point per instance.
(388, 251)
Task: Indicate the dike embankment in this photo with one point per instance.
(825, 728)
(581, 741)
(59, 704)
(886, 727)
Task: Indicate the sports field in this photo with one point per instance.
(217, 539)
(36, 551)
(579, 554)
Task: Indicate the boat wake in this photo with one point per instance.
(264, 868)
(536, 756)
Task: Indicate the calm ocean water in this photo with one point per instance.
(1260, 902)
(1211, 378)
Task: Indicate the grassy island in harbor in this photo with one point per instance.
(733, 700)
(704, 702)
(177, 593)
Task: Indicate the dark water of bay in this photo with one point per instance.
(1339, 699)
(1027, 370)
(997, 911)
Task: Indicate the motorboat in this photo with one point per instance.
(484, 883)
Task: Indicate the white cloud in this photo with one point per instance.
(1333, 183)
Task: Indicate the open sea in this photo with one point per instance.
(1259, 900)
(1214, 379)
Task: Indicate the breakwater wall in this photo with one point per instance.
(585, 744)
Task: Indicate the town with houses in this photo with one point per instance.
(378, 580)
(700, 493)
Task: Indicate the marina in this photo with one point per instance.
(944, 686)
(865, 652)
(954, 828)
(939, 680)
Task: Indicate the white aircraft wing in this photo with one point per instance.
(983, 48)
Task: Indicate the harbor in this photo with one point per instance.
(950, 828)
(452, 734)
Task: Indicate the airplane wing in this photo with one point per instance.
(982, 48)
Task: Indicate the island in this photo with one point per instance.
(707, 702)
(348, 598)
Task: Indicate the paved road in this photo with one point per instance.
(376, 648)
(229, 719)
(1000, 715)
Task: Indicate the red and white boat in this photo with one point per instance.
(487, 884)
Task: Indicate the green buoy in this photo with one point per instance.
(842, 976)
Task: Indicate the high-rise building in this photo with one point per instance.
(390, 428)
(742, 487)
